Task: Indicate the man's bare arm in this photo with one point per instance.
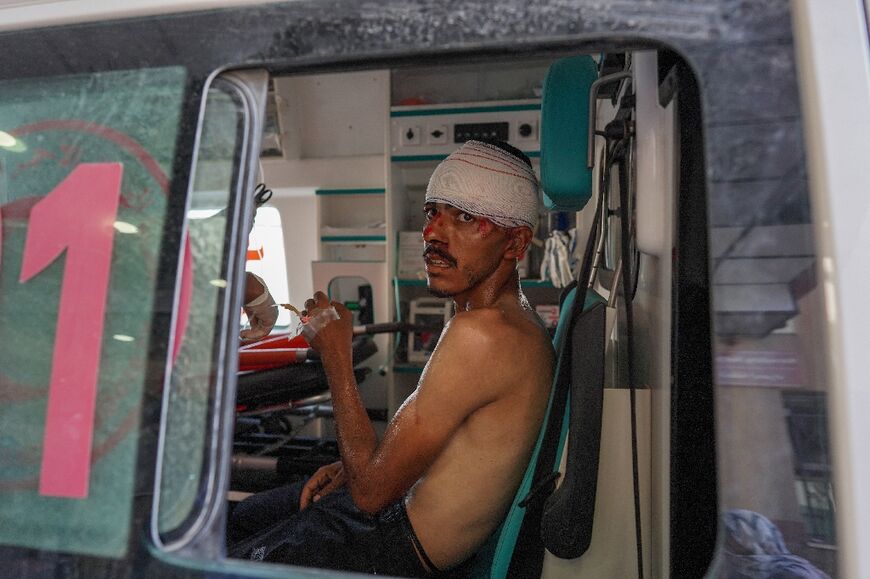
(466, 372)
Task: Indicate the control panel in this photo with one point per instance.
(430, 130)
(481, 131)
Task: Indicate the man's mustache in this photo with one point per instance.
(430, 249)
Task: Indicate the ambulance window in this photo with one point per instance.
(266, 258)
(85, 167)
(774, 455)
(184, 478)
(777, 503)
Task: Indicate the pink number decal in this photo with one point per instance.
(77, 216)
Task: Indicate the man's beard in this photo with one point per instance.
(472, 279)
(441, 294)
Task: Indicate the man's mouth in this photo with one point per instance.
(435, 262)
(434, 257)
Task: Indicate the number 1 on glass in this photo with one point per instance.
(77, 216)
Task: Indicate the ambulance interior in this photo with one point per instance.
(344, 163)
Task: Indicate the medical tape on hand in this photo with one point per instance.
(262, 298)
(318, 321)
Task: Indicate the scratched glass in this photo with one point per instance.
(85, 165)
(776, 496)
(182, 475)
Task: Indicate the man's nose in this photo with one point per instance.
(434, 230)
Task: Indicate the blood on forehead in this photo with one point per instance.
(484, 226)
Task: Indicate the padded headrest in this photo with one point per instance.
(565, 179)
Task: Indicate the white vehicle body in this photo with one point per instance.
(832, 48)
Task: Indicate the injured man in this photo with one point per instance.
(422, 500)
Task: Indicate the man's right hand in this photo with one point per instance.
(327, 479)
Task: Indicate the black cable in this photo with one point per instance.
(625, 165)
(625, 246)
(617, 149)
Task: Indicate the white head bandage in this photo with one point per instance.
(486, 181)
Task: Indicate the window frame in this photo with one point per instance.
(197, 532)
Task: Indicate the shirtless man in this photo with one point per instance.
(454, 454)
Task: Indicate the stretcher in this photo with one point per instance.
(298, 375)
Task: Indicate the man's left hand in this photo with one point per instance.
(260, 308)
(334, 337)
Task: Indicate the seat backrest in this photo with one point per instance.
(567, 185)
(495, 557)
(565, 177)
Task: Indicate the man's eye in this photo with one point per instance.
(466, 217)
(429, 212)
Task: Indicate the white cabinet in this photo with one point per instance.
(352, 224)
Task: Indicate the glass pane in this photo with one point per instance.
(193, 375)
(85, 165)
(776, 496)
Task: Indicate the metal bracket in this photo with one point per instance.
(593, 109)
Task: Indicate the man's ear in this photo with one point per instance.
(518, 244)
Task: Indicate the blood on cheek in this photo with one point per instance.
(427, 231)
(484, 226)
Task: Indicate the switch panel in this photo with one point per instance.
(409, 135)
(422, 133)
(480, 131)
(526, 130)
(436, 135)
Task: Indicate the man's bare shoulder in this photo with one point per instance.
(494, 323)
(484, 356)
(490, 337)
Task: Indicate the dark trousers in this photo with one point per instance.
(331, 533)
